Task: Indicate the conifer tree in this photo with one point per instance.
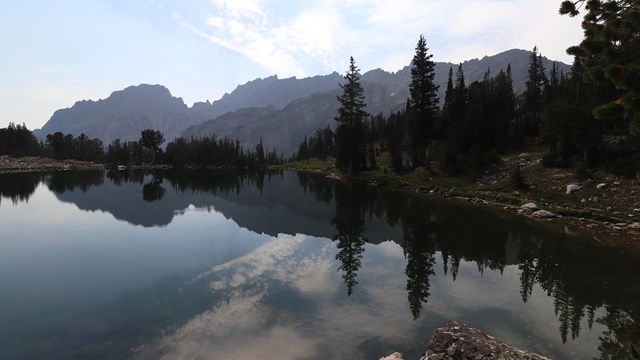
(423, 102)
(535, 90)
(449, 92)
(609, 52)
(351, 147)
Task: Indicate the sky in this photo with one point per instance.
(55, 53)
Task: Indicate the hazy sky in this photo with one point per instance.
(55, 53)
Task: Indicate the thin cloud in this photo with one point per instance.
(238, 9)
(381, 32)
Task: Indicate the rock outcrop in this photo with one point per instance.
(455, 340)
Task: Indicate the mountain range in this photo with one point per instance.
(278, 111)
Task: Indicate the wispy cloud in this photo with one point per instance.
(382, 32)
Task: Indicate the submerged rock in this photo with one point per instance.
(455, 340)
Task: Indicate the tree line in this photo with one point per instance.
(477, 122)
(190, 152)
(18, 140)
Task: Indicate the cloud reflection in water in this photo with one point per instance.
(249, 323)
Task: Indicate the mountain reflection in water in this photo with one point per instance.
(586, 281)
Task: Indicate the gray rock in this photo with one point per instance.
(394, 356)
(571, 188)
(455, 340)
(531, 206)
(602, 185)
(544, 214)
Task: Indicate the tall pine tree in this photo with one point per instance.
(423, 102)
(534, 93)
(350, 139)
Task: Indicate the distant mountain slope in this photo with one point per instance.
(280, 111)
(285, 128)
(124, 114)
(272, 91)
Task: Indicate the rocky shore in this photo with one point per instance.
(455, 340)
(10, 164)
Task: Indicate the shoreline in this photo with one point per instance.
(612, 232)
(10, 164)
(608, 229)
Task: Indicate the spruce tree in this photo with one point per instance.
(350, 142)
(449, 92)
(535, 90)
(423, 102)
(609, 52)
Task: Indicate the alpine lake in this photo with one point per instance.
(284, 265)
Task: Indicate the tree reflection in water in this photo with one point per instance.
(153, 190)
(349, 223)
(581, 276)
(18, 186)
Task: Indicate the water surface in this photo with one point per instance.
(213, 264)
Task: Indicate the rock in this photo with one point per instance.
(571, 188)
(455, 340)
(609, 208)
(634, 225)
(602, 185)
(594, 199)
(543, 214)
(531, 206)
(394, 356)
(569, 231)
(616, 183)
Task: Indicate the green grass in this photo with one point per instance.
(327, 165)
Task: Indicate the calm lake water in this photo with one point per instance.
(213, 265)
